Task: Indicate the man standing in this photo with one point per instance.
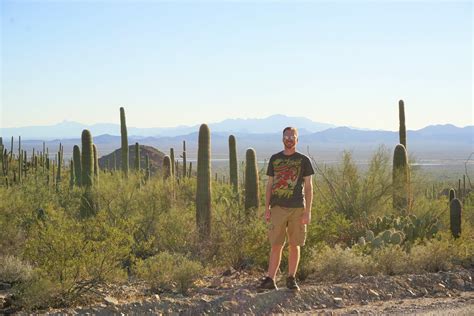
(289, 195)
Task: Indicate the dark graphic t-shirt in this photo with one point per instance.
(288, 173)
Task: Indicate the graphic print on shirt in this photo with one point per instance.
(286, 177)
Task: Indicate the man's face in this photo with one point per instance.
(290, 139)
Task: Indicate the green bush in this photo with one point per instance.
(76, 257)
(168, 271)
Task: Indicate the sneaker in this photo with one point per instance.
(267, 284)
(291, 283)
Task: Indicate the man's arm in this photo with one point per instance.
(308, 198)
(268, 195)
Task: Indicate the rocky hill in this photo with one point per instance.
(114, 159)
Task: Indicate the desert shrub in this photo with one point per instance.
(241, 241)
(168, 271)
(339, 263)
(37, 292)
(13, 270)
(353, 194)
(75, 257)
(391, 260)
(441, 254)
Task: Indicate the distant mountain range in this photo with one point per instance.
(69, 129)
(435, 142)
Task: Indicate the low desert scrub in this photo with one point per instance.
(169, 271)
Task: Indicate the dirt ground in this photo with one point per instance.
(234, 292)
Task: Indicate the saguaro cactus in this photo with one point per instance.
(400, 176)
(184, 159)
(60, 164)
(455, 208)
(147, 170)
(452, 194)
(137, 157)
(87, 160)
(203, 191)
(233, 174)
(96, 163)
(172, 162)
(166, 167)
(124, 138)
(402, 129)
(76, 154)
(251, 180)
(71, 173)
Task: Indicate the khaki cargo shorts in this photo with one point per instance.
(286, 221)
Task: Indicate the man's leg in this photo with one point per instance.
(275, 259)
(293, 259)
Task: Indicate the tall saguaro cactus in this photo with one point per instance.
(233, 174)
(147, 168)
(402, 128)
(455, 211)
(400, 178)
(76, 156)
(172, 163)
(251, 180)
(452, 194)
(203, 190)
(137, 157)
(87, 160)
(184, 159)
(96, 163)
(124, 138)
(166, 167)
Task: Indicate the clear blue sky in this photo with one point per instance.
(183, 63)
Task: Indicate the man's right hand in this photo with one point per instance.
(267, 214)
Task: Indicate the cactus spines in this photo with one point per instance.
(137, 157)
(166, 167)
(400, 178)
(251, 180)
(124, 139)
(455, 211)
(96, 163)
(76, 154)
(203, 190)
(87, 159)
(234, 180)
(402, 128)
(452, 194)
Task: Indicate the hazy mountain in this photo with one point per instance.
(69, 129)
(432, 142)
